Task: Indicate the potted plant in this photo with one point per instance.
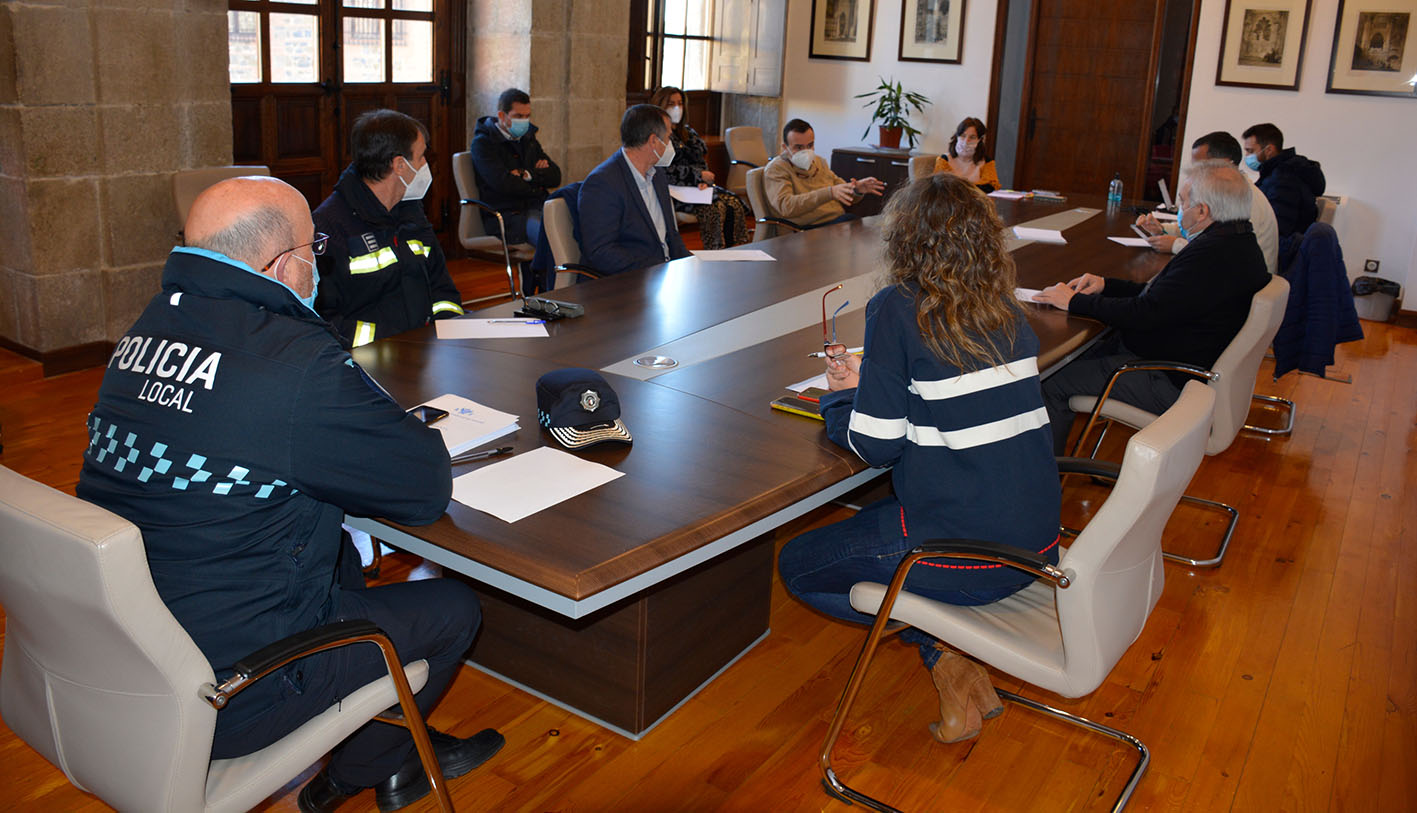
(893, 104)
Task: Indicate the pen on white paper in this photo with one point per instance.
(490, 329)
(520, 486)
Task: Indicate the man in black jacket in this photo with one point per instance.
(514, 174)
(235, 432)
(384, 272)
(1290, 181)
(1188, 313)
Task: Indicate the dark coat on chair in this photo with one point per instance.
(1320, 314)
(617, 233)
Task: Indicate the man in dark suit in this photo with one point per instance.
(626, 216)
(1188, 313)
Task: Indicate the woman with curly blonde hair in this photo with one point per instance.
(947, 392)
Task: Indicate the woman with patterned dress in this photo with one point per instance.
(722, 223)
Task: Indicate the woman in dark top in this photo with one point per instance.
(722, 223)
(947, 392)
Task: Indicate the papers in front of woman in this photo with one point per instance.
(470, 424)
(691, 194)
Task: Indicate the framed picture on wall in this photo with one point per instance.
(932, 31)
(1374, 48)
(841, 29)
(1262, 43)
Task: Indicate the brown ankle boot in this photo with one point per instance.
(960, 717)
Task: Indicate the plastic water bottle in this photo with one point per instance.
(1114, 189)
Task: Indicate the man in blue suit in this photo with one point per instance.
(626, 217)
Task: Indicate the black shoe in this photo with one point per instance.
(320, 795)
(455, 757)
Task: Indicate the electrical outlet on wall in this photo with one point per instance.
(1371, 266)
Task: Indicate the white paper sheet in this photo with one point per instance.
(526, 483)
(508, 328)
(1008, 194)
(1163, 216)
(818, 381)
(470, 424)
(733, 255)
(691, 194)
(1134, 242)
(1026, 294)
(1039, 235)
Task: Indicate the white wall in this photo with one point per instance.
(1365, 143)
(821, 90)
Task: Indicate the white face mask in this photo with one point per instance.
(676, 113)
(418, 187)
(964, 149)
(667, 157)
(802, 159)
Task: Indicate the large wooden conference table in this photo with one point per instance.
(623, 601)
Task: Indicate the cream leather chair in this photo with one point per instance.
(1065, 632)
(187, 184)
(561, 236)
(474, 237)
(921, 166)
(746, 150)
(769, 224)
(103, 682)
(1232, 378)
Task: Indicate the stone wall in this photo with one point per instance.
(569, 56)
(100, 104)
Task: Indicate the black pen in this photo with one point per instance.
(475, 456)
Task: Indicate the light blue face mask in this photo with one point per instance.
(309, 301)
(1181, 215)
(1253, 162)
(518, 127)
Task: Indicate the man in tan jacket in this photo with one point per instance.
(801, 188)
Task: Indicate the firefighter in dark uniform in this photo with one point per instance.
(234, 430)
(384, 272)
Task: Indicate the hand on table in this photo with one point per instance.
(1149, 224)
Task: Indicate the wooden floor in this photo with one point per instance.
(1285, 680)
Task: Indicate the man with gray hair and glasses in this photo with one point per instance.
(1188, 313)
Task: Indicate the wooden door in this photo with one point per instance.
(1088, 95)
(303, 70)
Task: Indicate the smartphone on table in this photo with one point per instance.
(428, 414)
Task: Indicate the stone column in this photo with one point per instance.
(569, 56)
(100, 104)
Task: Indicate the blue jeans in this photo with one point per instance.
(820, 566)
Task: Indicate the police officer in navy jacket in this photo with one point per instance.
(235, 432)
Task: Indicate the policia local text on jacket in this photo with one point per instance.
(235, 432)
(383, 272)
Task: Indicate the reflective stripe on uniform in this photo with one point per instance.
(419, 248)
(369, 263)
(363, 333)
(444, 306)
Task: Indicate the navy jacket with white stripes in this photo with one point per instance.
(972, 451)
